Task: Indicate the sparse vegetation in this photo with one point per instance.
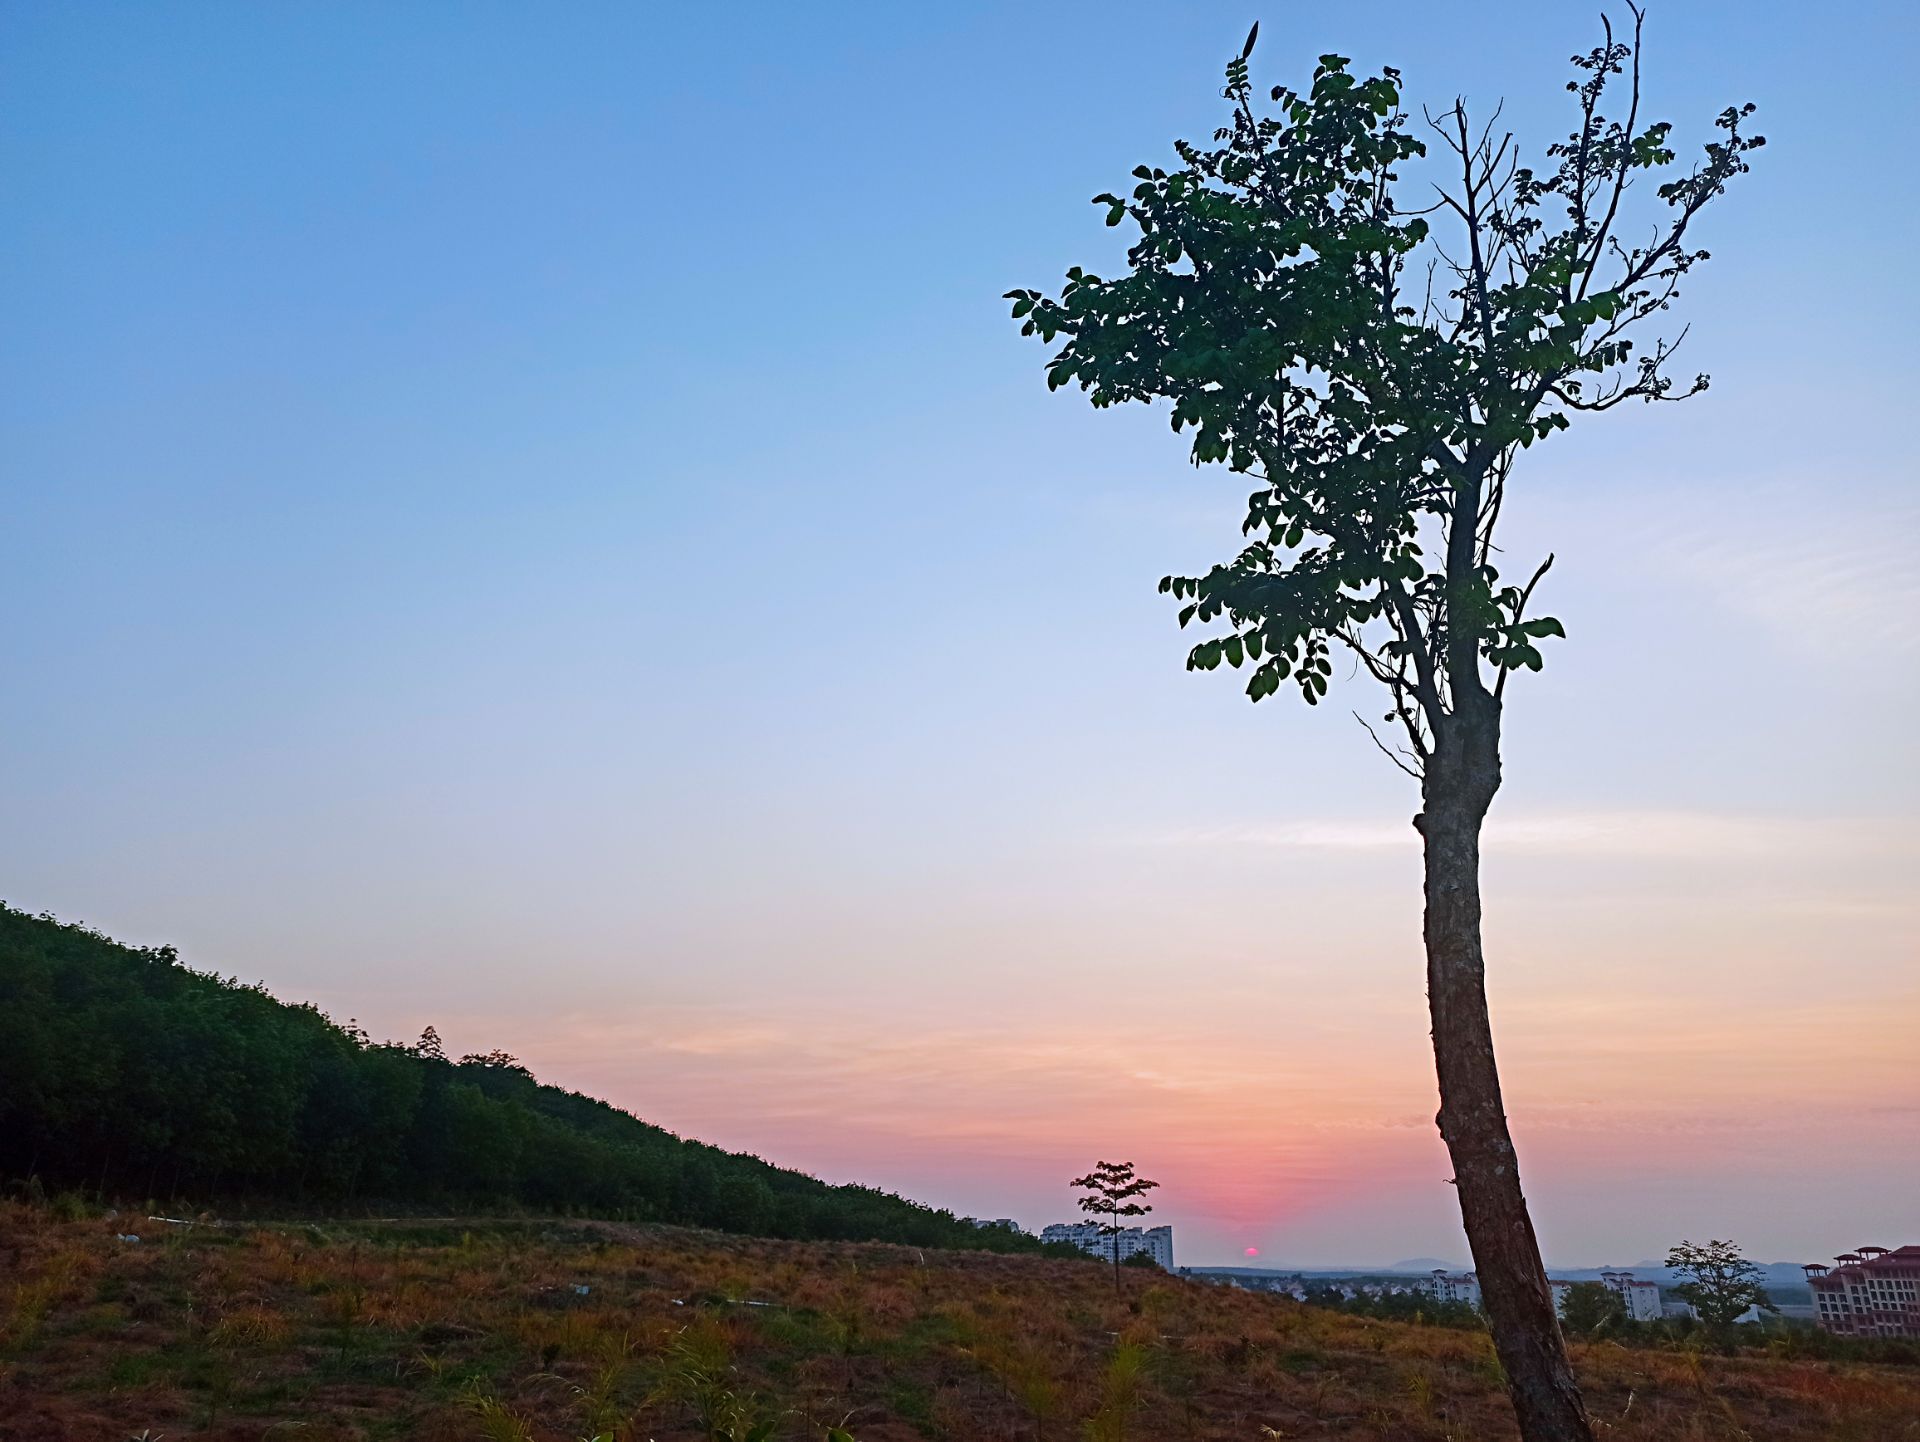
(480, 1330)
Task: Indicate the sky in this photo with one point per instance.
(534, 519)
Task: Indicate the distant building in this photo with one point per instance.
(1285, 1284)
(1641, 1299)
(1156, 1242)
(996, 1224)
(1871, 1292)
(1455, 1287)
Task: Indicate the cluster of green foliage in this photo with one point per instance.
(1414, 1306)
(1375, 375)
(1789, 1339)
(1592, 1309)
(125, 1072)
(1594, 1312)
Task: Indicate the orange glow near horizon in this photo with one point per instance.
(1319, 1149)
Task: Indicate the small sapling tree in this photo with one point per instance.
(1112, 1192)
(1375, 364)
(1592, 1308)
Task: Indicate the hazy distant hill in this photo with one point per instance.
(1784, 1280)
(1773, 1274)
(124, 1072)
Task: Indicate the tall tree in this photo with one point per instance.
(1720, 1283)
(1112, 1192)
(1376, 374)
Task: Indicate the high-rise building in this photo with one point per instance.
(1156, 1242)
(1869, 1292)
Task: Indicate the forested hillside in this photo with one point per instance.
(123, 1071)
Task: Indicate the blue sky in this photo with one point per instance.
(535, 519)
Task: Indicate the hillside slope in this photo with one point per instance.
(124, 1072)
(556, 1331)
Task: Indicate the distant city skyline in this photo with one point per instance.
(536, 522)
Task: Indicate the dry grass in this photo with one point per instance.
(357, 1332)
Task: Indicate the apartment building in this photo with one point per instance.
(1156, 1242)
(1868, 1292)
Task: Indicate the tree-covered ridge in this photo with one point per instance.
(124, 1071)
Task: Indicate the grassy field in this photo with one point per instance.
(515, 1330)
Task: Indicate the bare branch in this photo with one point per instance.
(1391, 755)
(1624, 165)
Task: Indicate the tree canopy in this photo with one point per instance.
(1374, 373)
(1720, 1284)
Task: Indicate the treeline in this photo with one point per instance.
(1410, 1306)
(126, 1073)
(1794, 1340)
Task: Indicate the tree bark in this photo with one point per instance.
(1462, 776)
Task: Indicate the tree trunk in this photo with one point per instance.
(1461, 780)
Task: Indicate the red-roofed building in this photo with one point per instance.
(1872, 1292)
